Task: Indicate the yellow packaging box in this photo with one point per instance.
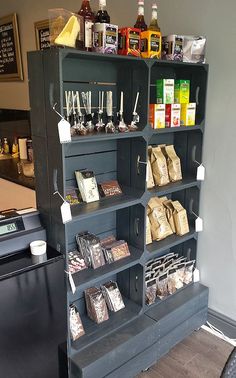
(157, 116)
(151, 44)
(188, 114)
(182, 91)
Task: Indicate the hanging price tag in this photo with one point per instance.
(198, 224)
(196, 275)
(201, 173)
(66, 212)
(72, 284)
(64, 131)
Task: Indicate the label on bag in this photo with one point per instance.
(72, 284)
(64, 131)
(198, 224)
(201, 173)
(66, 212)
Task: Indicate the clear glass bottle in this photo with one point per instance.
(86, 12)
(154, 23)
(140, 22)
(102, 15)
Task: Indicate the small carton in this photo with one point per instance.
(182, 91)
(172, 118)
(157, 116)
(129, 42)
(165, 91)
(172, 47)
(151, 44)
(105, 38)
(188, 114)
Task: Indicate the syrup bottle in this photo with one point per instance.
(154, 23)
(102, 15)
(86, 12)
(140, 22)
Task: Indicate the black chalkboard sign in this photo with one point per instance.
(10, 56)
(42, 34)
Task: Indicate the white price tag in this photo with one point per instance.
(64, 131)
(201, 173)
(66, 212)
(72, 284)
(198, 224)
(196, 275)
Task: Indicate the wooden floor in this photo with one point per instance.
(201, 355)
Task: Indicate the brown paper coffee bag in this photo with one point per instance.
(148, 232)
(170, 214)
(159, 167)
(180, 218)
(173, 164)
(160, 228)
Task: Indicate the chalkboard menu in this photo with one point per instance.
(42, 34)
(10, 56)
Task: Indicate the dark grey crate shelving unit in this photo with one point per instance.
(132, 339)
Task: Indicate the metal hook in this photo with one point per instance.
(54, 109)
(59, 194)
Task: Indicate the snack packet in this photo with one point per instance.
(162, 290)
(160, 228)
(159, 167)
(173, 164)
(150, 294)
(180, 218)
(76, 326)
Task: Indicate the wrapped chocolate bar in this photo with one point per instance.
(150, 294)
(90, 248)
(72, 196)
(96, 305)
(171, 281)
(76, 326)
(180, 270)
(76, 262)
(87, 185)
(113, 296)
(162, 290)
(119, 250)
(109, 188)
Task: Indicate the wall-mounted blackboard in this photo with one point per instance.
(42, 34)
(10, 55)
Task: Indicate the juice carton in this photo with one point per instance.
(165, 91)
(105, 38)
(129, 42)
(173, 115)
(182, 91)
(188, 114)
(151, 44)
(157, 116)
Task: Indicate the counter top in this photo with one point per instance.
(9, 171)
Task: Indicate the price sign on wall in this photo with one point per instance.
(10, 55)
(42, 34)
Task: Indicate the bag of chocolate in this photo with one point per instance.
(169, 214)
(148, 232)
(171, 281)
(150, 294)
(180, 218)
(162, 290)
(96, 305)
(188, 273)
(112, 296)
(180, 271)
(173, 164)
(76, 326)
(160, 228)
(159, 167)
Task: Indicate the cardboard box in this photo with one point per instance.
(182, 91)
(165, 91)
(151, 44)
(105, 38)
(129, 42)
(157, 116)
(188, 114)
(172, 118)
(172, 47)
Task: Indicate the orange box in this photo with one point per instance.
(129, 41)
(151, 44)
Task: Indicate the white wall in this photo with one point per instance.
(216, 20)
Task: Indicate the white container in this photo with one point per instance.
(38, 250)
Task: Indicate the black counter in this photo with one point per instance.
(9, 171)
